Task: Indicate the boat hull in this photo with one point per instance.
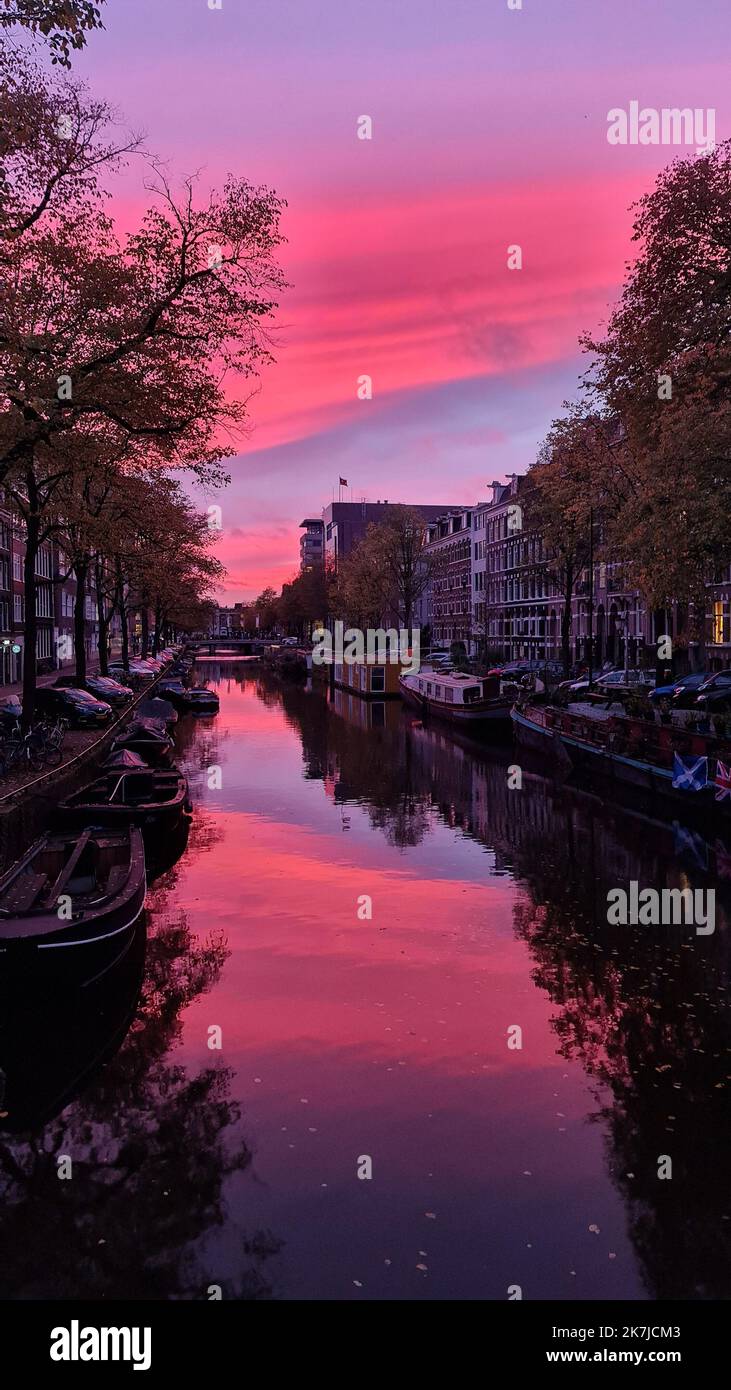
(155, 814)
(578, 754)
(484, 715)
(41, 943)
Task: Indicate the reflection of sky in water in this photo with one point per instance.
(393, 1031)
(385, 1037)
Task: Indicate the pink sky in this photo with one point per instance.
(489, 129)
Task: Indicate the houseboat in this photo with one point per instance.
(368, 679)
(689, 768)
(472, 702)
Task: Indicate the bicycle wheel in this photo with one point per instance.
(53, 753)
(36, 755)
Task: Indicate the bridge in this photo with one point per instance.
(242, 646)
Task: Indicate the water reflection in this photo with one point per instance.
(151, 1142)
(345, 1036)
(646, 1014)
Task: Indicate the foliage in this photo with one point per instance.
(65, 23)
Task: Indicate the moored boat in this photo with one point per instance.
(148, 737)
(158, 709)
(472, 702)
(72, 901)
(684, 766)
(152, 797)
(200, 698)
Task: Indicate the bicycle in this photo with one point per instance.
(52, 735)
(26, 749)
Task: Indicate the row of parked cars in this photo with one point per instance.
(700, 690)
(91, 703)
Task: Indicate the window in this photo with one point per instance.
(43, 562)
(378, 679)
(18, 608)
(721, 622)
(4, 574)
(44, 601)
(438, 691)
(17, 566)
(449, 694)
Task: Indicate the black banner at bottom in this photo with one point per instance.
(157, 1339)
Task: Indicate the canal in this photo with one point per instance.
(380, 1042)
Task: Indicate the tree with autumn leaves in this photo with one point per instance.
(64, 23)
(648, 447)
(116, 354)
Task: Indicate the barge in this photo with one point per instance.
(686, 767)
(471, 702)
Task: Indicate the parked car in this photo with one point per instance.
(715, 683)
(135, 674)
(101, 687)
(625, 680)
(68, 702)
(693, 681)
(715, 693)
(716, 701)
(609, 682)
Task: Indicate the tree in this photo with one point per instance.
(266, 607)
(111, 346)
(386, 573)
(170, 565)
(358, 596)
(557, 501)
(65, 23)
(305, 600)
(663, 370)
(398, 546)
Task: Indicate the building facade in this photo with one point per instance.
(345, 523)
(448, 553)
(312, 554)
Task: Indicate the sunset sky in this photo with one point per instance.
(489, 129)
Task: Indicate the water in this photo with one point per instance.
(346, 1038)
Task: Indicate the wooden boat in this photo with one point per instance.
(473, 702)
(631, 752)
(72, 901)
(148, 737)
(147, 797)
